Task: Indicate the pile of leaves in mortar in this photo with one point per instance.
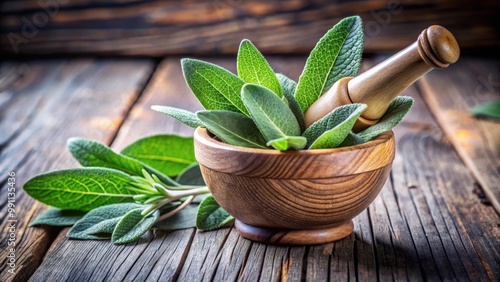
(120, 196)
(260, 109)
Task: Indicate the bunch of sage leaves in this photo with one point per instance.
(261, 109)
(120, 196)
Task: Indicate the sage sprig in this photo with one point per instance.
(118, 196)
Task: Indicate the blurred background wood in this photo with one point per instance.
(214, 27)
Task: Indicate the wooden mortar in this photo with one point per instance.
(295, 197)
(377, 87)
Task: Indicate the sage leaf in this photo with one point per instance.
(331, 130)
(288, 142)
(169, 154)
(94, 154)
(191, 176)
(132, 226)
(289, 86)
(253, 68)
(274, 118)
(336, 55)
(99, 223)
(398, 108)
(487, 109)
(81, 189)
(216, 88)
(186, 117)
(351, 140)
(211, 216)
(233, 128)
(57, 217)
(184, 219)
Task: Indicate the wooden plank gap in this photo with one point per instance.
(142, 88)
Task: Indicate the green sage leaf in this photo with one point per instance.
(132, 226)
(233, 128)
(169, 154)
(287, 84)
(398, 108)
(99, 223)
(274, 118)
(288, 92)
(81, 189)
(336, 55)
(191, 176)
(184, 219)
(211, 216)
(57, 217)
(331, 130)
(216, 88)
(253, 68)
(186, 117)
(288, 142)
(487, 109)
(94, 154)
(351, 140)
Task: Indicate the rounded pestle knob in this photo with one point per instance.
(436, 47)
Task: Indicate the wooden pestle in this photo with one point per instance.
(377, 87)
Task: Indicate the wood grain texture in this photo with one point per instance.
(450, 95)
(431, 193)
(44, 103)
(435, 47)
(157, 28)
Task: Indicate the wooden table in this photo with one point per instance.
(432, 220)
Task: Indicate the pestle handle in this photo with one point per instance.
(377, 87)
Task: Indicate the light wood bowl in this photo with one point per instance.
(295, 197)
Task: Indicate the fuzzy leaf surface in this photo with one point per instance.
(169, 154)
(99, 223)
(288, 142)
(289, 87)
(254, 68)
(272, 116)
(186, 117)
(351, 140)
(337, 54)
(57, 217)
(216, 88)
(81, 189)
(233, 128)
(191, 176)
(132, 226)
(398, 108)
(186, 218)
(331, 130)
(94, 154)
(211, 216)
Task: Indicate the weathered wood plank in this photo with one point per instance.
(450, 95)
(47, 102)
(158, 28)
(432, 190)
